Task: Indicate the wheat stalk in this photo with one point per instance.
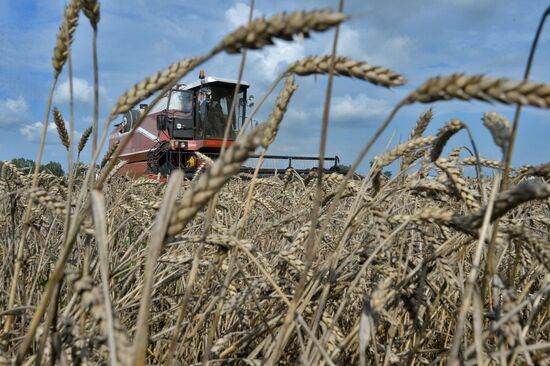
(260, 32)
(481, 87)
(343, 66)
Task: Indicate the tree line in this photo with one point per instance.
(27, 166)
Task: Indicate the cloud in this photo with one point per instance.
(82, 90)
(360, 107)
(263, 64)
(376, 47)
(237, 15)
(13, 111)
(32, 132)
(296, 116)
(270, 61)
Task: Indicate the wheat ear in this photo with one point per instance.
(409, 146)
(108, 154)
(84, 139)
(343, 66)
(90, 8)
(435, 215)
(542, 170)
(394, 154)
(60, 126)
(444, 134)
(481, 87)
(213, 179)
(536, 246)
(471, 160)
(65, 36)
(500, 128)
(417, 131)
(276, 116)
(92, 299)
(507, 201)
(261, 32)
(459, 182)
(421, 124)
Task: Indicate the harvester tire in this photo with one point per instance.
(130, 118)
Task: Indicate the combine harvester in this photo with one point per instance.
(190, 118)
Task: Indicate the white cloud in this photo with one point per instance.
(83, 92)
(263, 64)
(296, 116)
(376, 47)
(13, 111)
(270, 61)
(359, 107)
(32, 132)
(237, 15)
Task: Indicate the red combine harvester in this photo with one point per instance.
(191, 117)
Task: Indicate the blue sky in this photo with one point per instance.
(417, 38)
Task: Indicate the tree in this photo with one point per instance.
(54, 168)
(25, 165)
(341, 168)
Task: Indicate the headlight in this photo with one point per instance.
(178, 126)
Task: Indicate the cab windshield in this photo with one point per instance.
(181, 101)
(213, 112)
(175, 100)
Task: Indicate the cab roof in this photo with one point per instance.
(212, 80)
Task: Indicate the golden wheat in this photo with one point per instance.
(65, 36)
(343, 66)
(481, 87)
(260, 32)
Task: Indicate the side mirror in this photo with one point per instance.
(251, 101)
(161, 122)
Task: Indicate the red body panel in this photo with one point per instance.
(145, 138)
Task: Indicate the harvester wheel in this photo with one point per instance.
(130, 118)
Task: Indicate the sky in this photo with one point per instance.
(416, 38)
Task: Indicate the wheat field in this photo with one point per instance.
(432, 265)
